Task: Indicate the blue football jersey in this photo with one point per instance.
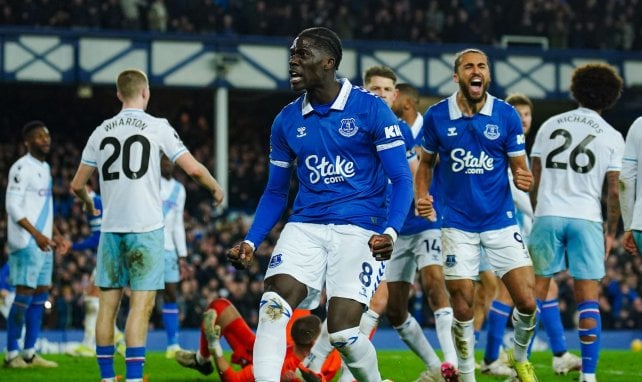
(341, 177)
(473, 153)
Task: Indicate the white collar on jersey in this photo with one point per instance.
(455, 113)
(339, 102)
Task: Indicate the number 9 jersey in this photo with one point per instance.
(126, 150)
(577, 149)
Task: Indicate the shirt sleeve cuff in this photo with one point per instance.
(391, 231)
(251, 244)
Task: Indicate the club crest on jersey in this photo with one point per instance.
(276, 260)
(300, 132)
(491, 132)
(451, 260)
(348, 127)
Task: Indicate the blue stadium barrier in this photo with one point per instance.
(384, 339)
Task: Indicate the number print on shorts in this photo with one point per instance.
(366, 274)
(433, 248)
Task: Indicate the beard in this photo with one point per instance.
(469, 94)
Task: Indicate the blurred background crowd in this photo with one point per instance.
(591, 24)
(210, 231)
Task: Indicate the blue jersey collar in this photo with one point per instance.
(455, 113)
(338, 104)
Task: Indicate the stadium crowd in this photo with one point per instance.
(210, 231)
(610, 24)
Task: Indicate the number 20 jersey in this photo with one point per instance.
(577, 149)
(126, 150)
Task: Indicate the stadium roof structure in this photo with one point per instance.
(93, 58)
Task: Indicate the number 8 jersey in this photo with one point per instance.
(126, 150)
(577, 149)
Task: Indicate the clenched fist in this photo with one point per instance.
(241, 255)
(381, 246)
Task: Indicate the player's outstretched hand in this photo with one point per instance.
(308, 375)
(218, 194)
(628, 243)
(381, 246)
(240, 255)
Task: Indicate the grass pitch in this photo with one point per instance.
(400, 366)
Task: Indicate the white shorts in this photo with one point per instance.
(461, 250)
(334, 256)
(413, 252)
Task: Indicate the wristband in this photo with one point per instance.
(251, 244)
(391, 231)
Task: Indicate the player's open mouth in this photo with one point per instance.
(476, 84)
(295, 77)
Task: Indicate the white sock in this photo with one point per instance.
(200, 359)
(369, 321)
(320, 350)
(444, 327)
(524, 329)
(270, 343)
(464, 335)
(358, 353)
(413, 336)
(346, 375)
(91, 313)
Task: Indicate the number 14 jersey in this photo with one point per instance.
(576, 149)
(126, 150)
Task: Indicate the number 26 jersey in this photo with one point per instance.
(126, 150)
(576, 148)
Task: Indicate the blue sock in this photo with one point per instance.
(33, 319)
(105, 356)
(135, 360)
(590, 349)
(497, 319)
(16, 320)
(170, 321)
(552, 321)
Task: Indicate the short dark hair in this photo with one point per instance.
(31, 126)
(459, 55)
(379, 71)
(326, 40)
(305, 330)
(410, 91)
(596, 86)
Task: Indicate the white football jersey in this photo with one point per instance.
(126, 150)
(173, 195)
(29, 195)
(631, 178)
(576, 149)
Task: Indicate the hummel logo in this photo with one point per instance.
(452, 131)
(300, 132)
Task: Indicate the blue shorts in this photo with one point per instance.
(131, 259)
(172, 273)
(558, 243)
(30, 267)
